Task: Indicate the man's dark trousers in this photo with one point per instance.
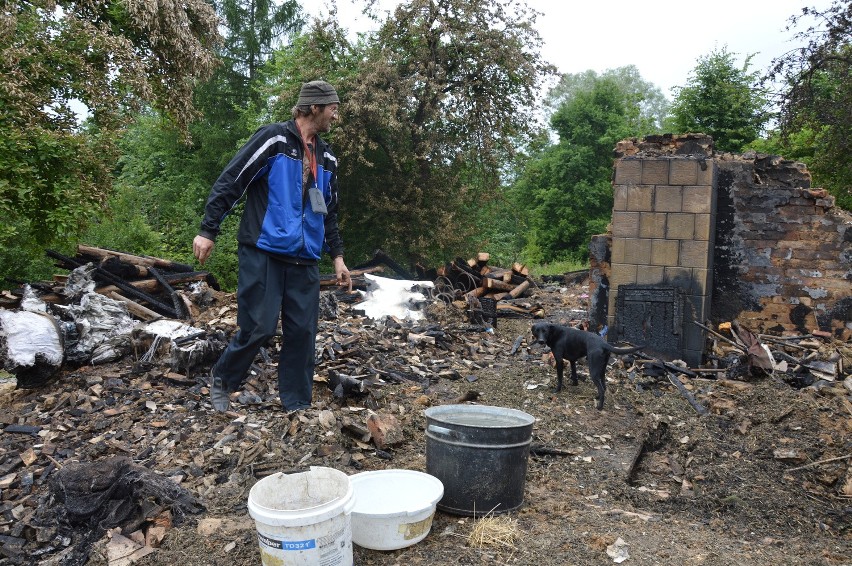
(265, 287)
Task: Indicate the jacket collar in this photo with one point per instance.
(290, 125)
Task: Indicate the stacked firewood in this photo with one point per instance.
(486, 291)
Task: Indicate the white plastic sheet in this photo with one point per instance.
(394, 297)
(29, 334)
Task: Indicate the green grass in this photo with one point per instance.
(557, 267)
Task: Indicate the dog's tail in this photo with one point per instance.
(622, 351)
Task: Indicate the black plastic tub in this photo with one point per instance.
(480, 454)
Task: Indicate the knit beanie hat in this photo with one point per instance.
(317, 92)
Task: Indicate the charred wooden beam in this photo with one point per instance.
(496, 284)
(145, 285)
(699, 408)
(122, 285)
(145, 261)
(153, 285)
(381, 258)
(135, 308)
(176, 300)
(123, 269)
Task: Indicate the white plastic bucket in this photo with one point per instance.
(393, 508)
(304, 518)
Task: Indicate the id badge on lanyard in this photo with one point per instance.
(317, 200)
(314, 194)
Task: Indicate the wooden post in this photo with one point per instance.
(135, 308)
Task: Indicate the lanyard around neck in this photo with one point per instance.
(309, 153)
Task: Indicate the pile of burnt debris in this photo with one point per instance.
(95, 387)
(113, 305)
(106, 377)
(92, 314)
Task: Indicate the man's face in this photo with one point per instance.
(324, 117)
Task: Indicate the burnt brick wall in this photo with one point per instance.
(783, 254)
(743, 236)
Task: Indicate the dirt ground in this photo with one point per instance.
(760, 480)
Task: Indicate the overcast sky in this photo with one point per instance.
(663, 40)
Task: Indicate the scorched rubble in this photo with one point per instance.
(148, 423)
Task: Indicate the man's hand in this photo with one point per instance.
(202, 247)
(342, 272)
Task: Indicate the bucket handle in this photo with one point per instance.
(443, 431)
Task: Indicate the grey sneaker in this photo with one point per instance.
(219, 395)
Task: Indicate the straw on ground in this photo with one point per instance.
(494, 531)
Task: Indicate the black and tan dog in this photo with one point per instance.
(571, 344)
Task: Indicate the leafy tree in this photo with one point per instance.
(112, 57)
(253, 30)
(566, 189)
(721, 100)
(161, 187)
(442, 93)
(647, 105)
(166, 177)
(816, 103)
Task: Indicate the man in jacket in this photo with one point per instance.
(288, 175)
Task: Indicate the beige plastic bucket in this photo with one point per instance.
(304, 518)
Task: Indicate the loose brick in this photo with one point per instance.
(640, 198)
(628, 172)
(668, 199)
(680, 226)
(655, 171)
(683, 172)
(385, 429)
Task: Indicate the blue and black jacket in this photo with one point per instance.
(278, 217)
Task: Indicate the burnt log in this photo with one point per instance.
(520, 289)
(177, 302)
(381, 258)
(497, 285)
(145, 261)
(103, 275)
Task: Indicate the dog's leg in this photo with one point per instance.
(597, 371)
(573, 372)
(560, 367)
